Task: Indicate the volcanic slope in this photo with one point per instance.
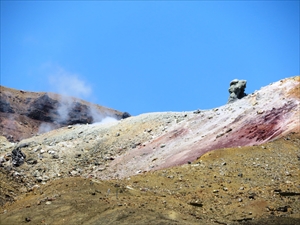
(243, 185)
(152, 142)
(160, 140)
(24, 114)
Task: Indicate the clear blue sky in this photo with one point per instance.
(148, 56)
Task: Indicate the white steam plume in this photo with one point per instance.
(99, 118)
(45, 127)
(69, 84)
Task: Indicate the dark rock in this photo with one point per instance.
(55, 157)
(18, 157)
(23, 145)
(39, 179)
(283, 208)
(227, 131)
(237, 90)
(244, 219)
(197, 204)
(78, 114)
(288, 193)
(252, 195)
(77, 155)
(109, 158)
(44, 109)
(5, 107)
(31, 161)
(125, 115)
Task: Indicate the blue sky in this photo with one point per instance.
(148, 56)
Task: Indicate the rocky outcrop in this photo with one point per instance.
(125, 115)
(43, 109)
(237, 90)
(79, 114)
(25, 114)
(5, 106)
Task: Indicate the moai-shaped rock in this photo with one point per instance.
(237, 90)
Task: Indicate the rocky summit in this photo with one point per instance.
(25, 114)
(66, 161)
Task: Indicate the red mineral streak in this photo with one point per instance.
(255, 119)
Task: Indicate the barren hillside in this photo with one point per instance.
(238, 163)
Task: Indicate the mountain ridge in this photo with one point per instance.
(25, 114)
(237, 163)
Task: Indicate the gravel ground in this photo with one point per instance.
(246, 185)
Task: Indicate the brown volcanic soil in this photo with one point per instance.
(244, 185)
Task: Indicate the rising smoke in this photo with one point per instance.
(68, 84)
(45, 127)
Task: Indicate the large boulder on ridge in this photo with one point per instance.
(237, 90)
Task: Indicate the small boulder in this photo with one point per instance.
(18, 157)
(125, 115)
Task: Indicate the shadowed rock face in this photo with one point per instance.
(237, 90)
(44, 109)
(5, 107)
